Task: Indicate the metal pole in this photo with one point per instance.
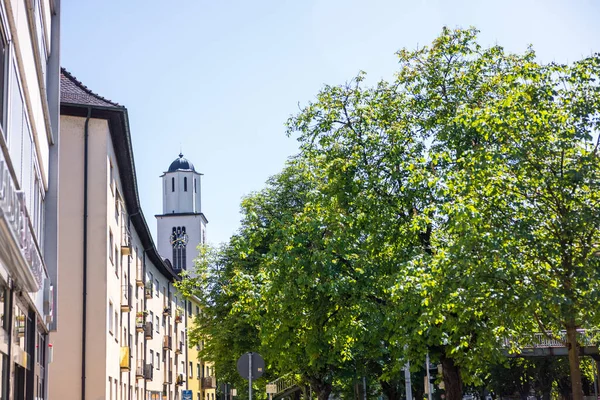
(595, 371)
(365, 388)
(250, 376)
(428, 377)
(407, 382)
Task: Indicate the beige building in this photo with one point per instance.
(29, 138)
(122, 330)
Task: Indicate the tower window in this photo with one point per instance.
(179, 241)
(185, 183)
(195, 187)
(172, 184)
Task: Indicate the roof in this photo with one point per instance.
(77, 100)
(72, 91)
(181, 164)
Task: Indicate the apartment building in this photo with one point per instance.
(29, 137)
(201, 373)
(122, 334)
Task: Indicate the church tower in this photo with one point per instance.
(181, 226)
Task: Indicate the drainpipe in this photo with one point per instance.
(85, 223)
(130, 299)
(145, 396)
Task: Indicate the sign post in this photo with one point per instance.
(250, 366)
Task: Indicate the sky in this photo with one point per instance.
(217, 79)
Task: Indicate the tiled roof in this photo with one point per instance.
(73, 91)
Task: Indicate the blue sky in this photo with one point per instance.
(219, 78)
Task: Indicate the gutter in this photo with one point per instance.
(85, 223)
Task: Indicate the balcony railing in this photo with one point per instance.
(139, 276)
(167, 343)
(139, 369)
(208, 382)
(124, 360)
(140, 322)
(148, 372)
(126, 299)
(167, 311)
(125, 235)
(178, 317)
(148, 290)
(179, 349)
(168, 376)
(148, 331)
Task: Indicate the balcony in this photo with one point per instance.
(139, 276)
(124, 360)
(167, 311)
(126, 300)
(139, 369)
(140, 321)
(125, 236)
(148, 331)
(148, 372)
(179, 380)
(208, 382)
(167, 343)
(179, 349)
(148, 290)
(178, 316)
(168, 377)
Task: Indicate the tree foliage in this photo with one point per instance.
(451, 211)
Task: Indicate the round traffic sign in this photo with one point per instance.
(254, 359)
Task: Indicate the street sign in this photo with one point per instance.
(271, 388)
(258, 365)
(186, 395)
(251, 366)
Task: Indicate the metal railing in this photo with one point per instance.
(126, 299)
(550, 339)
(148, 332)
(167, 343)
(208, 382)
(285, 382)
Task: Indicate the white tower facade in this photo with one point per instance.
(182, 225)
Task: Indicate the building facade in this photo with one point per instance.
(123, 328)
(29, 138)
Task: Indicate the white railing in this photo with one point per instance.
(285, 382)
(543, 340)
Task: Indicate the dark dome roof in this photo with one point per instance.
(181, 164)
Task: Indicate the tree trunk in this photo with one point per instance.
(452, 379)
(390, 390)
(321, 389)
(573, 347)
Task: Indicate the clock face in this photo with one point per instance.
(179, 239)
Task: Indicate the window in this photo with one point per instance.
(3, 55)
(198, 396)
(111, 244)
(116, 323)
(172, 184)
(110, 388)
(117, 260)
(198, 371)
(112, 176)
(117, 205)
(185, 183)
(157, 286)
(152, 358)
(189, 307)
(110, 320)
(157, 324)
(195, 187)
(157, 360)
(197, 310)
(191, 370)
(179, 239)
